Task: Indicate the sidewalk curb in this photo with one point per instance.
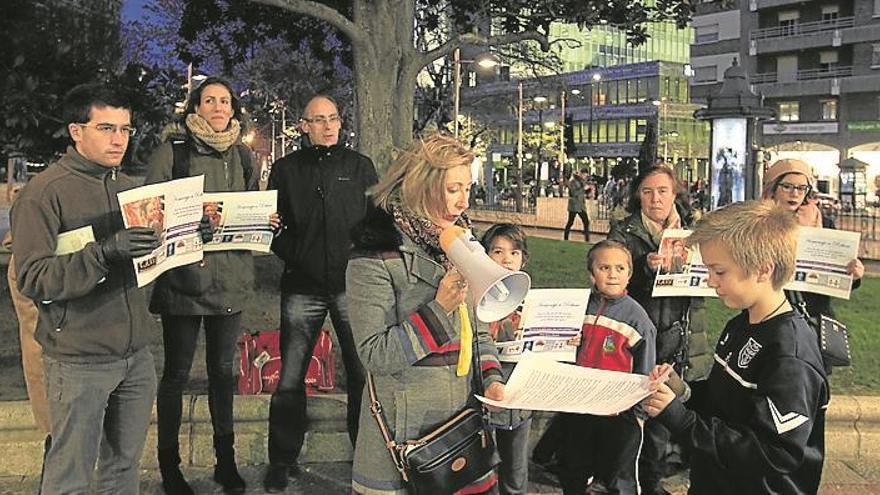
(852, 431)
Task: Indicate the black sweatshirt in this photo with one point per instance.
(321, 196)
(757, 425)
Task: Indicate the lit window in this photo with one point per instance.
(829, 109)
(789, 111)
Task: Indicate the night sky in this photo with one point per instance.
(131, 9)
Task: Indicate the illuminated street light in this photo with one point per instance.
(487, 60)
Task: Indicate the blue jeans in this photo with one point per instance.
(98, 412)
(301, 318)
(180, 335)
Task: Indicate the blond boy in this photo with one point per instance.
(757, 424)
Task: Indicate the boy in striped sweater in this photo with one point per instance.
(617, 335)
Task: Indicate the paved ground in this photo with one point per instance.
(839, 478)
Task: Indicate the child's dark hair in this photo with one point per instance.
(78, 102)
(607, 244)
(512, 232)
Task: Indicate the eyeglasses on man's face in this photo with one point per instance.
(789, 187)
(322, 120)
(111, 129)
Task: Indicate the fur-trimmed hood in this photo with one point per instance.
(376, 232)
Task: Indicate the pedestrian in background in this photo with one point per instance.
(577, 203)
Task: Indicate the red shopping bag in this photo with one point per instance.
(321, 375)
(260, 365)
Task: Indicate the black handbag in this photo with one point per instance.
(452, 456)
(833, 340)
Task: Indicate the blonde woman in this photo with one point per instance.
(402, 296)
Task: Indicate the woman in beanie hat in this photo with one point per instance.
(789, 182)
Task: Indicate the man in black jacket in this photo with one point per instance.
(321, 195)
(93, 321)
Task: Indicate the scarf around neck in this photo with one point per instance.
(424, 232)
(655, 230)
(220, 141)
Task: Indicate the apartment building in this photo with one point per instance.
(817, 64)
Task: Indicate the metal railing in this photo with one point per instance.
(862, 220)
(805, 75)
(802, 29)
(506, 206)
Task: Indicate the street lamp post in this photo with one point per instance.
(540, 100)
(519, 147)
(662, 106)
(484, 60)
(596, 78)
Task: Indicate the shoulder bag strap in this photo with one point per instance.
(379, 415)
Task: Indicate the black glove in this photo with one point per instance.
(206, 230)
(129, 243)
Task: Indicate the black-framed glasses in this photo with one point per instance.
(110, 129)
(322, 120)
(789, 187)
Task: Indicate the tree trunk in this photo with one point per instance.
(385, 79)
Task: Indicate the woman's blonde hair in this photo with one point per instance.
(418, 175)
(754, 233)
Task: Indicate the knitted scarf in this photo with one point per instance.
(220, 141)
(655, 229)
(424, 232)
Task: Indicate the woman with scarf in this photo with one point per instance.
(404, 298)
(681, 337)
(788, 183)
(210, 293)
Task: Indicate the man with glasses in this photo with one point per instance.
(93, 320)
(321, 196)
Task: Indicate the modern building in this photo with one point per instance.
(615, 94)
(609, 110)
(817, 64)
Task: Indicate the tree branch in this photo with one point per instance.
(476, 39)
(321, 12)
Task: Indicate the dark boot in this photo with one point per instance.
(173, 481)
(225, 471)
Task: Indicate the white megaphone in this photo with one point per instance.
(495, 291)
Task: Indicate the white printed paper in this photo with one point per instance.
(73, 241)
(173, 209)
(551, 318)
(682, 272)
(240, 219)
(541, 384)
(821, 261)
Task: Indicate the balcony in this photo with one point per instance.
(804, 75)
(803, 29)
(820, 81)
(819, 34)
